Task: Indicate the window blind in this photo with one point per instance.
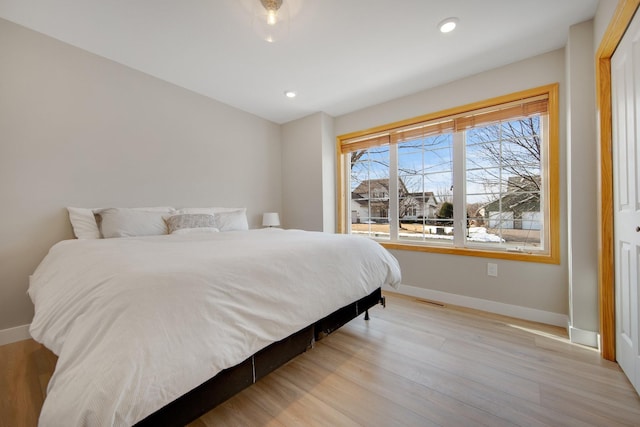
(453, 123)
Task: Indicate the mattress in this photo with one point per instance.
(137, 322)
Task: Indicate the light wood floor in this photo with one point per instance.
(412, 364)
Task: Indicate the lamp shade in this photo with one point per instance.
(270, 219)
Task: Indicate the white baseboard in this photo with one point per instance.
(19, 333)
(517, 311)
(582, 337)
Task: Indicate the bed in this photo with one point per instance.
(158, 329)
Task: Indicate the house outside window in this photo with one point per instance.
(478, 180)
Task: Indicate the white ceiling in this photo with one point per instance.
(339, 55)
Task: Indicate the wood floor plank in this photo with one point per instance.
(239, 411)
(545, 371)
(401, 337)
(293, 405)
(498, 401)
(587, 409)
(20, 384)
(412, 364)
(356, 402)
(425, 401)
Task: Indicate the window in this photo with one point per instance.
(477, 180)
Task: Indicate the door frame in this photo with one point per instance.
(606, 286)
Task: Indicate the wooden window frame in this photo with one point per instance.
(457, 117)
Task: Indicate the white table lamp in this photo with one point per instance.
(270, 219)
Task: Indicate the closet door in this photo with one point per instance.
(625, 94)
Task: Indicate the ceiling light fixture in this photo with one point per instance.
(271, 19)
(290, 94)
(448, 25)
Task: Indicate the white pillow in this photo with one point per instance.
(230, 221)
(196, 230)
(180, 222)
(85, 226)
(84, 223)
(227, 219)
(127, 222)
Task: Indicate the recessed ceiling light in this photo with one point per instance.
(448, 25)
(290, 94)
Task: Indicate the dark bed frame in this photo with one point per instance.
(232, 380)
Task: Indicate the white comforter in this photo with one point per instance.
(137, 322)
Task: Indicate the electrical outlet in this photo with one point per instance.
(492, 269)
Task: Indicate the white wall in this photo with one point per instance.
(582, 203)
(80, 130)
(536, 286)
(329, 200)
(308, 173)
